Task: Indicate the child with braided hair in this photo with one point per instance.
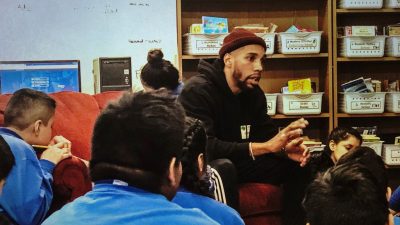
(196, 185)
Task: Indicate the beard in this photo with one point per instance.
(242, 84)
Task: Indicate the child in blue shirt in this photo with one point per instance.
(196, 185)
(28, 119)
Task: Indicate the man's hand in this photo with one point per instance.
(56, 153)
(292, 131)
(297, 151)
(277, 143)
(60, 139)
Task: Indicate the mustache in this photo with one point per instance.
(256, 76)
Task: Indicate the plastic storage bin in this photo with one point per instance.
(353, 46)
(362, 103)
(392, 46)
(375, 145)
(392, 3)
(299, 43)
(202, 44)
(391, 154)
(269, 39)
(300, 104)
(271, 103)
(360, 4)
(392, 102)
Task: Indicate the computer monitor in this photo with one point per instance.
(48, 76)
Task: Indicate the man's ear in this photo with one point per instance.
(200, 162)
(37, 126)
(174, 173)
(332, 146)
(228, 60)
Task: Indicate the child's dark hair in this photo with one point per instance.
(26, 106)
(367, 157)
(158, 73)
(342, 133)
(195, 142)
(6, 159)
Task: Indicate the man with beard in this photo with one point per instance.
(226, 96)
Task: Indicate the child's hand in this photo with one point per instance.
(60, 139)
(56, 153)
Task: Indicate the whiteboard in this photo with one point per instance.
(88, 29)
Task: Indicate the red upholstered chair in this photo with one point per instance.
(104, 98)
(71, 180)
(260, 204)
(74, 119)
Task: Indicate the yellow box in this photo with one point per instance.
(302, 86)
(196, 28)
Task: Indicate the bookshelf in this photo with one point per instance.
(280, 68)
(380, 68)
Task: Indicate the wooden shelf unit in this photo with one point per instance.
(316, 15)
(380, 68)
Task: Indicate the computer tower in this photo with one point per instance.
(112, 74)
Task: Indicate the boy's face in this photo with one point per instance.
(45, 133)
(344, 146)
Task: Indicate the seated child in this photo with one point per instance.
(196, 185)
(28, 120)
(340, 141)
(160, 73)
(346, 194)
(6, 164)
(6, 161)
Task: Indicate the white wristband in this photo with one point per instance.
(251, 151)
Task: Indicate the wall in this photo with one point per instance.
(87, 29)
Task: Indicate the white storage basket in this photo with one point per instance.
(362, 103)
(392, 102)
(392, 3)
(354, 46)
(392, 46)
(391, 154)
(300, 104)
(375, 145)
(271, 103)
(202, 44)
(360, 4)
(269, 39)
(299, 43)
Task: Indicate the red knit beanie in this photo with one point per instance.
(239, 38)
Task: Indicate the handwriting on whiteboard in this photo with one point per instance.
(139, 4)
(145, 41)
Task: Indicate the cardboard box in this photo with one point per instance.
(365, 31)
(393, 30)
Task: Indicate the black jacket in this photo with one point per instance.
(208, 97)
(320, 161)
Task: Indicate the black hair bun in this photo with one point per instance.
(155, 56)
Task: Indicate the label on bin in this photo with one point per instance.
(365, 45)
(269, 105)
(302, 105)
(395, 153)
(398, 45)
(207, 44)
(365, 105)
(269, 44)
(301, 43)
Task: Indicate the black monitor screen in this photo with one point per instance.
(46, 76)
